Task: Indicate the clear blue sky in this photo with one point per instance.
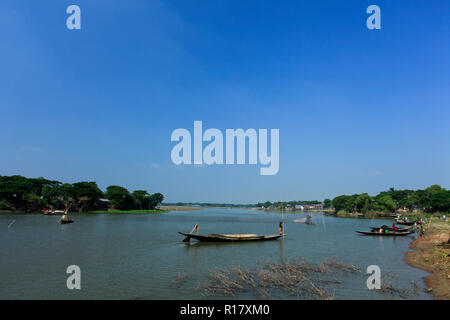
(358, 110)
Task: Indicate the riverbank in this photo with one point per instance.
(432, 254)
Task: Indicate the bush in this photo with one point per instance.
(4, 205)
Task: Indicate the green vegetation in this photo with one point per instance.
(433, 199)
(18, 193)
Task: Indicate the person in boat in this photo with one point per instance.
(381, 230)
(65, 217)
(393, 227)
(281, 227)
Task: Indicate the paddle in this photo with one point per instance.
(187, 238)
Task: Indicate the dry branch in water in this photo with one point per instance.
(179, 280)
(388, 287)
(296, 278)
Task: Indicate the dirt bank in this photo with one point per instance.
(432, 253)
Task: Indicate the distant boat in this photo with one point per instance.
(228, 237)
(390, 233)
(65, 219)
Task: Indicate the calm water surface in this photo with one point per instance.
(137, 256)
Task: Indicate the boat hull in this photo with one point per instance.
(390, 229)
(405, 223)
(229, 238)
(394, 234)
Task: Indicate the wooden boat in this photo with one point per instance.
(404, 229)
(65, 219)
(228, 237)
(390, 233)
(405, 223)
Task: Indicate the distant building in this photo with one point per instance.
(103, 204)
(318, 206)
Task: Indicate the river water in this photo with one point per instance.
(138, 256)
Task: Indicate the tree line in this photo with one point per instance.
(432, 199)
(19, 193)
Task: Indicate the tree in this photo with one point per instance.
(362, 202)
(326, 203)
(141, 199)
(63, 195)
(440, 201)
(119, 197)
(341, 202)
(386, 203)
(423, 199)
(86, 194)
(155, 200)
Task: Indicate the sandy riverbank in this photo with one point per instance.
(432, 254)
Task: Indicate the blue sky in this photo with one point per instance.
(358, 110)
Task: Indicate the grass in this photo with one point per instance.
(345, 214)
(129, 211)
(437, 225)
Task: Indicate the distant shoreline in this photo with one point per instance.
(180, 208)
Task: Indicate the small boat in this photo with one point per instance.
(399, 221)
(65, 219)
(228, 237)
(404, 229)
(390, 233)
